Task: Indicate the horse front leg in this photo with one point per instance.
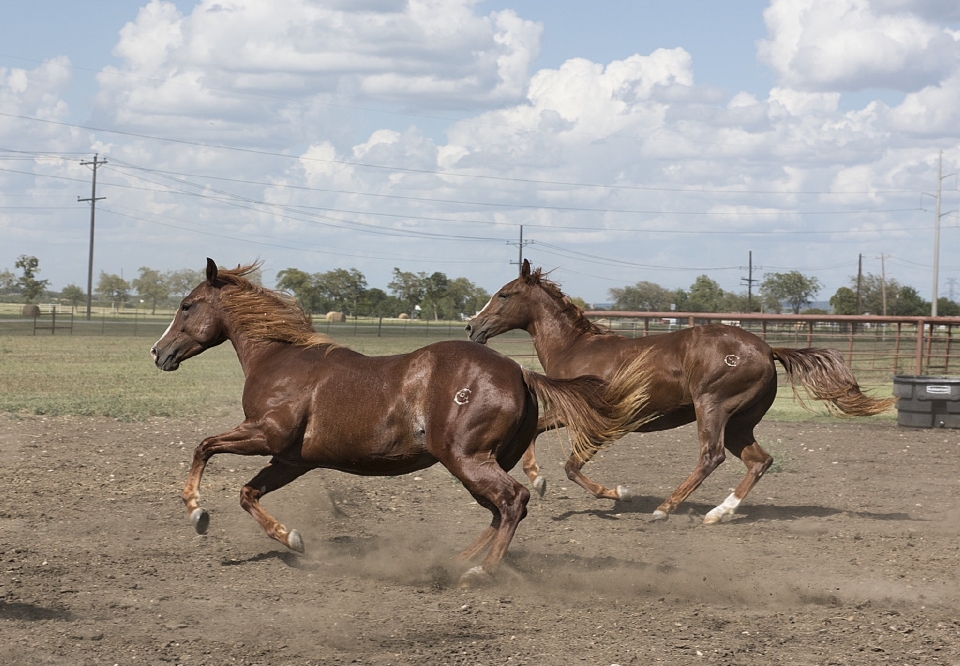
(245, 439)
(273, 476)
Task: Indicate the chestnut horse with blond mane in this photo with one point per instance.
(310, 403)
(722, 377)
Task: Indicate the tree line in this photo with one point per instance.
(779, 292)
(436, 296)
(433, 295)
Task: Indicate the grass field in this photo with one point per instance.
(114, 376)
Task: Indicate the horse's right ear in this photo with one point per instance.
(211, 270)
(525, 269)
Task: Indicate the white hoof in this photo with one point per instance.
(200, 519)
(658, 515)
(624, 494)
(474, 577)
(540, 485)
(712, 518)
(294, 541)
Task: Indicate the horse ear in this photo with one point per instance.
(211, 270)
(525, 269)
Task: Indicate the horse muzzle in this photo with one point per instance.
(477, 333)
(166, 361)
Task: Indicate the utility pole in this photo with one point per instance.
(520, 246)
(859, 282)
(883, 282)
(748, 281)
(936, 239)
(93, 216)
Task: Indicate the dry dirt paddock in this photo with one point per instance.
(847, 553)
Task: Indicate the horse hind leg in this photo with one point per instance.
(532, 469)
(757, 461)
(710, 427)
(573, 467)
(273, 476)
(506, 499)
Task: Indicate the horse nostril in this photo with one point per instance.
(468, 328)
(153, 353)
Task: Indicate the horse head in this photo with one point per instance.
(196, 327)
(509, 308)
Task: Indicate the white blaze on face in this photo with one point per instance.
(483, 309)
(165, 332)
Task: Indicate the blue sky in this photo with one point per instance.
(632, 140)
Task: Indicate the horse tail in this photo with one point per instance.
(595, 412)
(825, 377)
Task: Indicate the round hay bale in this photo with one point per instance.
(404, 315)
(336, 316)
(30, 310)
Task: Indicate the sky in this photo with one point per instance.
(626, 140)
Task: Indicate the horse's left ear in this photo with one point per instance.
(525, 269)
(211, 270)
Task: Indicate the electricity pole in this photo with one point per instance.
(749, 282)
(520, 246)
(883, 282)
(93, 216)
(859, 281)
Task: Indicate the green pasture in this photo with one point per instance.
(112, 374)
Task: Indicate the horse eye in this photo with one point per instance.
(501, 295)
(185, 306)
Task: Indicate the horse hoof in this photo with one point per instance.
(624, 494)
(710, 520)
(474, 577)
(540, 485)
(200, 519)
(294, 541)
(658, 515)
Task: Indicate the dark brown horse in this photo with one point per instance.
(722, 377)
(310, 403)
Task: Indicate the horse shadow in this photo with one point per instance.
(746, 514)
(17, 610)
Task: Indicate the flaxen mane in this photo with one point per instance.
(567, 307)
(267, 314)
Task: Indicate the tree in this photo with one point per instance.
(151, 287)
(705, 295)
(113, 288)
(181, 282)
(30, 286)
(844, 302)
(642, 296)
(408, 287)
(793, 288)
(8, 282)
(465, 297)
(302, 286)
(434, 291)
(73, 295)
(947, 308)
(341, 289)
(908, 303)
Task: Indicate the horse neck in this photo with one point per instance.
(554, 332)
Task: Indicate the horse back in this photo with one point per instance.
(393, 414)
(684, 366)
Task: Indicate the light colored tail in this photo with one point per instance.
(825, 377)
(596, 413)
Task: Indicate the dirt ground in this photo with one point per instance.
(847, 552)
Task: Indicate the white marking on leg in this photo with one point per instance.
(727, 508)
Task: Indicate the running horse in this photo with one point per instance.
(722, 377)
(310, 403)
